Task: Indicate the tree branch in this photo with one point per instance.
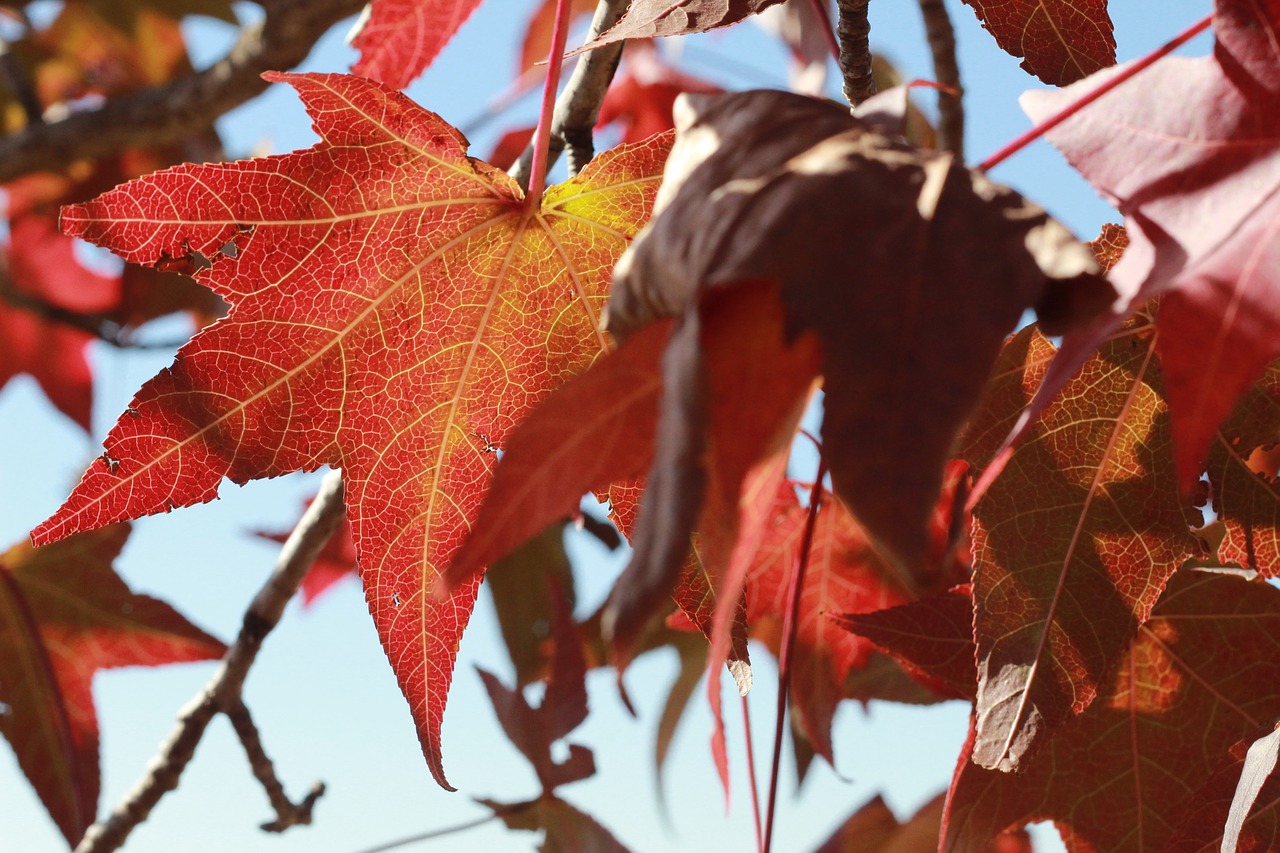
(223, 692)
(854, 32)
(168, 113)
(578, 107)
(942, 44)
(287, 813)
(100, 326)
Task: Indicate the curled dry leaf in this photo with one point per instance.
(922, 269)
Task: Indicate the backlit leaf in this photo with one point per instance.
(1197, 678)
(395, 311)
(1073, 543)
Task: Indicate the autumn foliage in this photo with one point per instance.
(1069, 525)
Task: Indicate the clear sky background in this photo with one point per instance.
(322, 692)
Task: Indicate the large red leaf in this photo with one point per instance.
(64, 615)
(1073, 543)
(396, 310)
(1198, 677)
(1061, 40)
(1198, 180)
(398, 39)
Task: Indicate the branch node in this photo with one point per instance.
(854, 31)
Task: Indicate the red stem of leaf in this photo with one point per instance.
(789, 625)
(751, 771)
(820, 10)
(1075, 106)
(542, 136)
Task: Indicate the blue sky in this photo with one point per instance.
(323, 693)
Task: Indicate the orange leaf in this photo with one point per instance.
(395, 311)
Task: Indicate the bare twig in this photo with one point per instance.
(578, 106)
(855, 50)
(100, 326)
(224, 690)
(942, 44)
(167, 113)
(287, 813)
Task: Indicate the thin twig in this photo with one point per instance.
(942, 44)
(790, 621)
(100, 326)
(168, 113)
(854, 31)
(287, 812)
(224, 690)
(578, 107)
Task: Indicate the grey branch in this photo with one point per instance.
(223, 692)
(578, 106)
(942, 43)
(287, 812)
(854, 33)
(168, 113)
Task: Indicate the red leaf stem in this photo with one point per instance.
(1074, 107)
(820, 11)
(789, 624)
(751, 772)
(542, 136)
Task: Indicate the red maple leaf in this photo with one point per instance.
(1073, 543)
(398, 39)
(396, 309)
(1061, 40)
(64, 615)
(1198, 180)
(1197, 678)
